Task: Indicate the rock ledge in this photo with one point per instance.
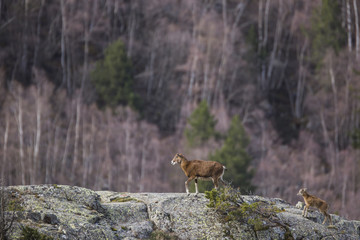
(69, 212)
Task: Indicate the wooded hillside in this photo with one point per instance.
(101, 94)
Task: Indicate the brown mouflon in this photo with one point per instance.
(200, 169)
(312, 201)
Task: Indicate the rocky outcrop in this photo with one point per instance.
(66, 212)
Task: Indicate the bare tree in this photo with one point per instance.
(193, 75)
(67, 143)
(76, 160)
(357, 43)
(277, 38)
(20, 124)
(263, 30)
(348, 21)
(132, 26)
(38, 134)
(55, 160)
(300, 90)
(38, 29)
(336, 117)
(24, 56)
(65, 58)
(88, 151)
(5, 147)
(224, 55)
(144, 153)
(128, 155)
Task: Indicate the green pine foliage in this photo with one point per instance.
(251, 37)
(234, 156)
(230, 206)
(201, 126)
(326, 30)
(113, 78)
(28, 233)
(355, 138)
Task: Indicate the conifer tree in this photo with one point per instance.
(326, 30)
(113, 78)
(201, 125)
(234, 156)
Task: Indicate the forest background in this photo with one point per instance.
(103, 93)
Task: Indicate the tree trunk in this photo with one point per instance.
(223, 60)
(6, 137)
(276, 42)
(240, 10)
(63, 43)
(192, 75)
(77, 136)
(343, 14)
(37, 45)
(24, 60)
(151, 69)
(204, 95)
(343, 195)
(348, 21)
(55, 164)
(262, 41)
(132, 26)
(128, 159)
(143, 162)
(38, 135)
(84, 154)
(330, 146)
(86, 63)
(88, 159)
(49, 160)
(63, 30)
(19, 121)
(266, 23)
(66, 149)
(336, 121)
(260, 26)
(357, 42)
(68, 66)
(300, 90)
(108, 156)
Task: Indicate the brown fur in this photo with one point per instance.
(312, 201)
(200, 169)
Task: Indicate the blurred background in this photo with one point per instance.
(103, 93)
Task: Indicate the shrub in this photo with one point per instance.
(28, 233)
(161, 235)
(230, 206)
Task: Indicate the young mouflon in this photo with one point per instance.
(200, 169)
(312, 201)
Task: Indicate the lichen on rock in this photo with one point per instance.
(68, 212)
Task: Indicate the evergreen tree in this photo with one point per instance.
(201, 125)
(234, 156)
(326, 30)
(113, 78)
